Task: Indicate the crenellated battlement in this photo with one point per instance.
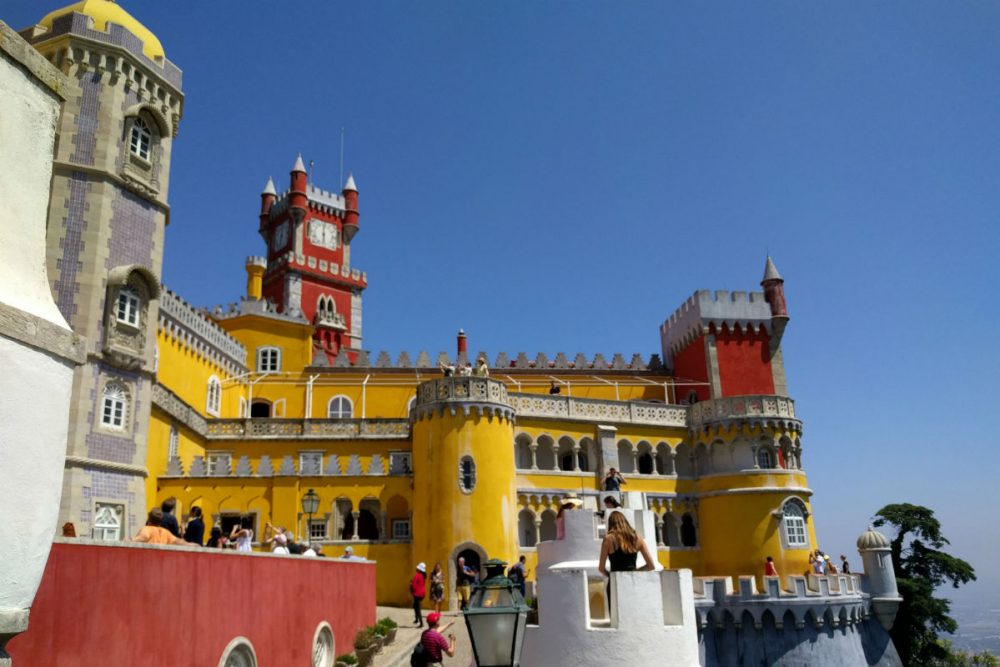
(738, 311)
(540, 362)
(181, 321)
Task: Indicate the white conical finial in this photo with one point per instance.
(350, 183)
(269, 188)
(770, 271)
(298, 164)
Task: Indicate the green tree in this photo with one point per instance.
(957, 658)
(921, 567)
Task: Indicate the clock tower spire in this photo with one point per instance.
(308, 232)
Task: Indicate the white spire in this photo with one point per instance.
(269, 188)
(770, 271)
(298, 164)
(350, 183)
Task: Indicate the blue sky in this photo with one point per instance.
(561, 176)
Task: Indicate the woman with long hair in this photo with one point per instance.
(437, 586)
(621, 545)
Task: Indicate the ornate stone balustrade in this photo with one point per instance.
(320, 429)
(764, 410)
(540, 406)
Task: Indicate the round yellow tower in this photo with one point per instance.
(464, 492)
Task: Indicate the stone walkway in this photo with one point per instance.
(398, 653)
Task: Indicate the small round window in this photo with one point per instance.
(239, 653)
(323, 646)
(467, 474)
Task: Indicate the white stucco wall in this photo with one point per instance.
(27, 134)
(37, 349)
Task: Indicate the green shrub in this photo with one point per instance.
(348, 659)
(364, 638)
(387, 623)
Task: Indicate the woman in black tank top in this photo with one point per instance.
(621, 546)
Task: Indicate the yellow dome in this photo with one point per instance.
(106, 11)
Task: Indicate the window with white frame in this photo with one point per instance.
(219, 464)
(467, 474)
(339, 407)
(793, 522)
(268, 359)
(140, 139)
(127, 310)
(213, 401)
(114, 407)
(400, 529)
(173, 444)
(317, 529)
(764, 458)
(400, 463)
(310, 463)
(108, 522)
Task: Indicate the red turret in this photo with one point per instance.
(267, 198)
(463, 345)
(774, 291)
(350, 209)
(297, 198)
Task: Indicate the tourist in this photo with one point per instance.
(466, 370)
(613, 481)
(611, 503)
(447, 368)
(310, 551)
(276, 539)
(348, 553)
(570, 502)
(482, 368)
(828, 566)
(418, 589)
(464, 576)
(154, 532)
(69, 530)
(769, 569)
(437, 586)
(621, 545)
(434, 642)
(518, 573)
(554, 389)
(844, 566)
(216, 540)
(242, 534)
(816, 560)
(169, 520)
(194, 531)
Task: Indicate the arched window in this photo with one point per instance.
(764, 459)
(239, 653)
(140, 139)
(339, 407)
(409, 405)
(547, 530)
(268, 359)
(689, 534)
(115, 406)
(260, 410)
(793, 524)
(127, 311)
(526, 528)
(467, 474)
(213, 400)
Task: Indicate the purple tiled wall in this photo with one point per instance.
(72, 246)
(85, 137)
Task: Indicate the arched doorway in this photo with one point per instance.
(474, 556)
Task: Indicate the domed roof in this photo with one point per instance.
(872, 539)
(107, 11)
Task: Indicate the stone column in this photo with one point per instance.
(635, 461)
(538, 531)
(357, 517)
(555, 455)
(659, 530)
(534, 455)
(753, 453)
(576, 457)
(673, 462)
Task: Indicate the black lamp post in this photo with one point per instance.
(310, 503)
(496, 619)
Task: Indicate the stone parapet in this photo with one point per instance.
(334, 466)
(764, 410)
(540, 406)
(466, 393)
(821, 600)
(322, 429)
(732, 310)
(180, 320)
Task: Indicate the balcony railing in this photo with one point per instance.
(744, 408)
(320, 429)
(540, 406)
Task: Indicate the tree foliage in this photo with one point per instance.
(921, 567)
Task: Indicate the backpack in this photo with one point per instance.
(420, 657)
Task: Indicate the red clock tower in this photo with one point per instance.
(308, 232)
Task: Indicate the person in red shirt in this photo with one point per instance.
(418, 589)
(434, 642)
(769, 569)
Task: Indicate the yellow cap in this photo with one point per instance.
(107, 11)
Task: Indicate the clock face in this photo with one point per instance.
(280, 238)
(323, 234)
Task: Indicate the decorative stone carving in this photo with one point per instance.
(333, 465)
(174, 467)
(383, 360)
(198, 468)
(265, 468)
(353, 466)
(376, 467)
(287, 466)
(243, 468)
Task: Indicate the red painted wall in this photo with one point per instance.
(744, 366)
(690, 364)
(120, 605)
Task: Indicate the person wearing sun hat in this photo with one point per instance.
(418, 589)
(569, 502)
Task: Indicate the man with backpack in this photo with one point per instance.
(432, 646)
